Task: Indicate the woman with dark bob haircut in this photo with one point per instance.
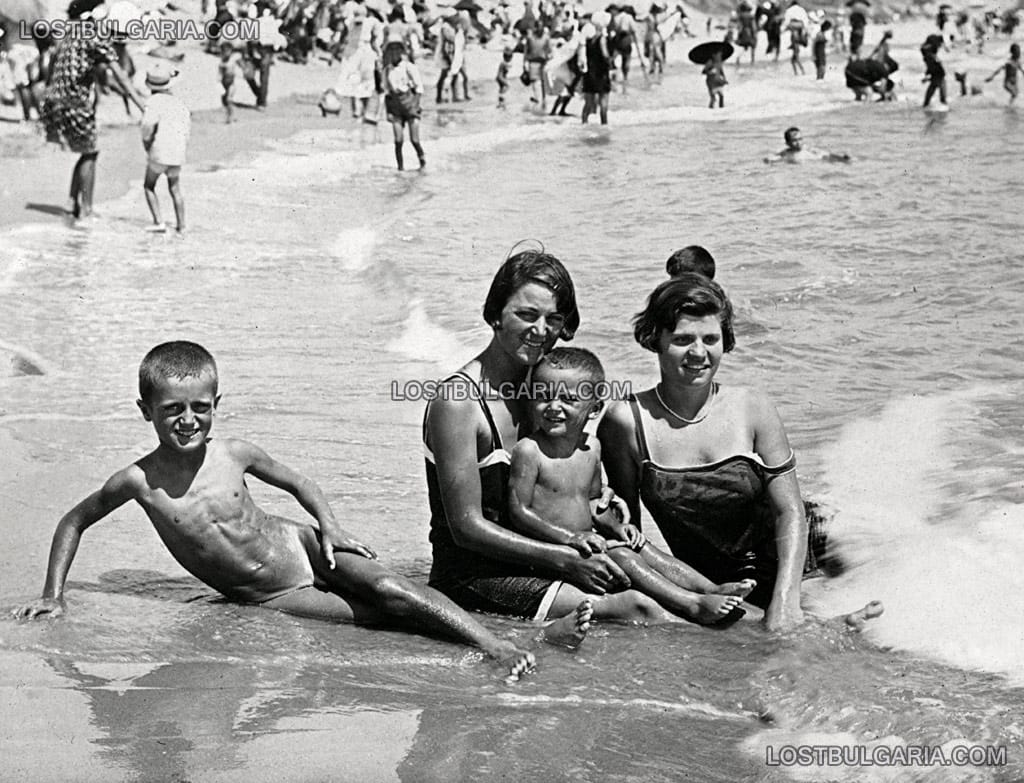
(711, 463)
(470, 426)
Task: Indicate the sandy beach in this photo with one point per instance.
(33, 174)
(320, 277)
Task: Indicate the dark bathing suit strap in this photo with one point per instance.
(641, 439)
(495, 435)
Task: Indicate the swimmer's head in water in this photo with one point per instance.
(692, 258)
(178, 359)
(1015, 51)
(686, 295)
(534, 266)
(793, 139)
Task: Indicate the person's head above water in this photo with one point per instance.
(179, 359)
(1015, 51)
(793, 138)
(540, 268)
(692, 258)
(690, 295)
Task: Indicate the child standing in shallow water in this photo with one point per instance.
(166, 124)
(556, 479)
(193, 489)
(404, 88)
(1009, 70)
(715, 79)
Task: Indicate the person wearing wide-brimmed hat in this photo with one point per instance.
(68, 111)
(166, 125)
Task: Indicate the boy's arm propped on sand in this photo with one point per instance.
(119, 489)
(521, 484)
(309, 495)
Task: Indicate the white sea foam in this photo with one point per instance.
(353, 247)
(948, 579)
(423, 340)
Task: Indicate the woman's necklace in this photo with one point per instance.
(702, 414)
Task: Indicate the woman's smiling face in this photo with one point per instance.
(530, 323)
(692, 352)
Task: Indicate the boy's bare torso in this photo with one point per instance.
(207, 519)
(564, 487)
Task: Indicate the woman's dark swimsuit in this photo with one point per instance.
(471, 579)
(717, 517)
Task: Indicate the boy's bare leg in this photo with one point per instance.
(704, 608)
(626, 606)
(149, 187)
(392, 596)
(174, 186)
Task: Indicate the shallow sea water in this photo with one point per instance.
(880, 304)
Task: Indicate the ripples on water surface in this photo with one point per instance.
(879, 303)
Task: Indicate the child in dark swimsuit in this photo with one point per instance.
(556, 479)
(935, 73)
(1009, 70)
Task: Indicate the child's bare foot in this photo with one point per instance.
(856, 621)
(713, 609)
(518, 662)
(742, 588)
(571, 630)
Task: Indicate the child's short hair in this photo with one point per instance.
(534, 266)
(688, 294)
(692, 258)
(564, 358)
(177, 359)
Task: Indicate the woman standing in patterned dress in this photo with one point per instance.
(69, 105)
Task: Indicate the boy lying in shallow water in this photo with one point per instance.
(193, 489)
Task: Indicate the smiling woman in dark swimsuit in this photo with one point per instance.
(477, 416)
(711, 464)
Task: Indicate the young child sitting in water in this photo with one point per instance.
(556, 477)
(193, 489)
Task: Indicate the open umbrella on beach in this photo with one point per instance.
(701, 53)
(851, 3)
(468, 5)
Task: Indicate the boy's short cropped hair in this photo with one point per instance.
(177, 359)
(692, 258)
(564, 358)
(688, 294)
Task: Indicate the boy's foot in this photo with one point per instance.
(856, 621)
(571, 630)
(715, 609)
(519, 662)
(157, 228)
(742, 588)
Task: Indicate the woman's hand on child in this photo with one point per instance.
(631, 535)
(48, 607)
(588, 544)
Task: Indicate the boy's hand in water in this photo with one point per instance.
(41, 607)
